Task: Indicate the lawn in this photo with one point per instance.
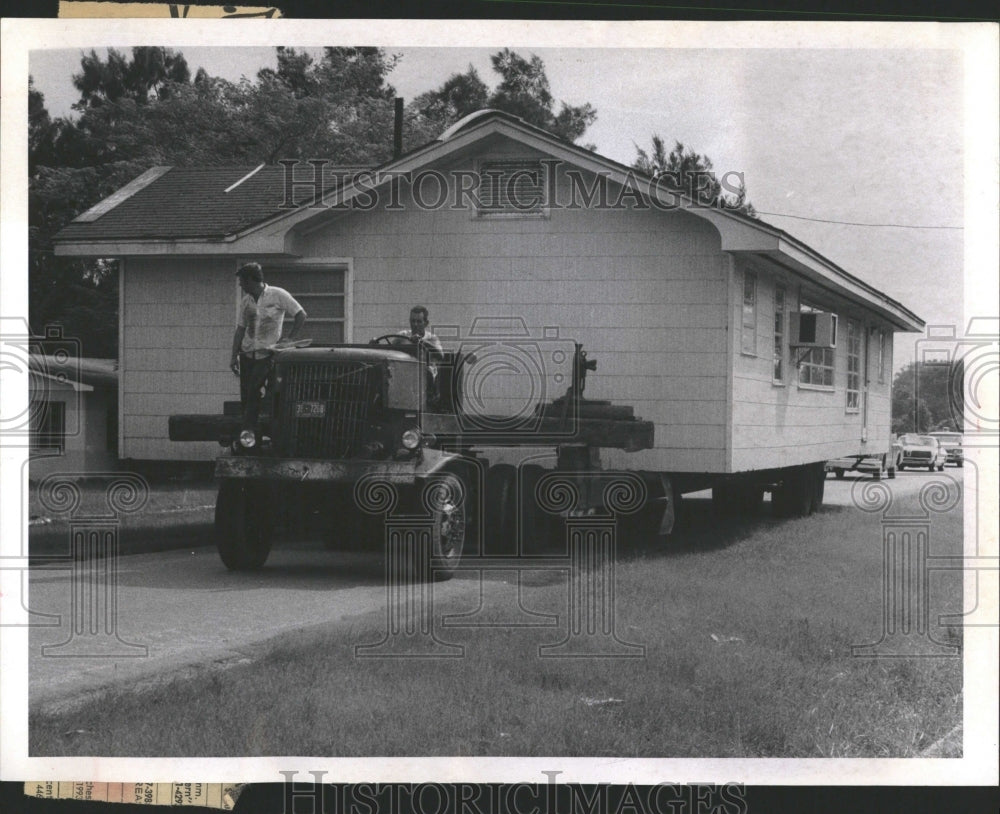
(747, 628)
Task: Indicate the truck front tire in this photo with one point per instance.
(244, 525)
(454, 522)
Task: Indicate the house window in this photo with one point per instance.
(881, 357)
(511, 187)
(48, 427)
(853, 365)
(778, 374)
(816, 364)
(749, 331)
(323, 293)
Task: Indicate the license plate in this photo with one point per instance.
(310, 409)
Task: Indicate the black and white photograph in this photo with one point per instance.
(500, 401)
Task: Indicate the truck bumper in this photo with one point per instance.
(303, 470)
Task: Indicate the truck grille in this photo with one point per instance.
(345, 389)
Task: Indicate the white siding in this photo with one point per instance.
(178, 320)
(644, 291)
(782, 425)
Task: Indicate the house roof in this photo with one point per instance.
(83, 373)
(244, 209)
(196, 202)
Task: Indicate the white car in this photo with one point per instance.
(921, 451)
(952, 444)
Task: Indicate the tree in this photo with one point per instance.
(143, 110)
(690, 174)
(430, 113)
(523, 91)
(928, 396)
(148, 75)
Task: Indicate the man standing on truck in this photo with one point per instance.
(258, 329)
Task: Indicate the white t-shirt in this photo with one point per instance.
(264, 318)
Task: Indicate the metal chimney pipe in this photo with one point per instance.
(397, 129)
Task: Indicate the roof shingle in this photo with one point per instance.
(192, 202)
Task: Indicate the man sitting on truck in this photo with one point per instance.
(258, 331)
(427, 341)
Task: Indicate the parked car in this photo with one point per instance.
(921, 450)
(952, 444)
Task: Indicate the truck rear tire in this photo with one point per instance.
(244, 525)
(797, 494)
(737, 498)
(820, 487)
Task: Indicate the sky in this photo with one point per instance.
(871, 137)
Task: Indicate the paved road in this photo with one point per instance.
(188, 611)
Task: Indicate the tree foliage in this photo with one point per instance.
(149, 75)
(927, 397)
(523, 91)
(144, 109)
(692, 174)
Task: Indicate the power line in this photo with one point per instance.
(856, 223)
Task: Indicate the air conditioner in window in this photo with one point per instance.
(813, 329)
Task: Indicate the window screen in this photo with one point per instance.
(511, 187)
(323, 293)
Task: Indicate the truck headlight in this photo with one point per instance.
(411, 439)
(248, 439)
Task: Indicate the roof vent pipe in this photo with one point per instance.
(397, 129)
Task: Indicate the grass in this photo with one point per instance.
(784, 599)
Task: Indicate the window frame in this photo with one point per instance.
(881, 355)
(45, 439)
(509, 212)
(272, 276)
(855, 351)
(779, 345)
(808, 359)
(748, 330)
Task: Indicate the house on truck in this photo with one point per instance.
(747, 349)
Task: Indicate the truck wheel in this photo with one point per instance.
(453, 522)
(820, 487)
(537, 526)
(796, 496)
(737, 498)
(244, 525)
(501, 521)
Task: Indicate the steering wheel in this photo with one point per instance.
(392, 339)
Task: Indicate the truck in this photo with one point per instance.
(340, 424)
